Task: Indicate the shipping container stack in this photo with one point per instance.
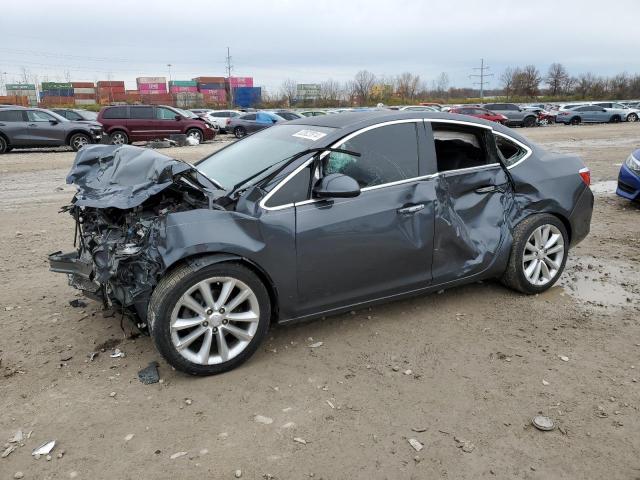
(20, 94)
(56, 94)
(153, 90)
(84, 93)
(185, 93)
(246, 97)
(213, 90)
(111, 91)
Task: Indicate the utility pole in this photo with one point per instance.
(482, 76)
(169, 65)
(229, 68)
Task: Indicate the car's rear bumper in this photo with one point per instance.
(580, 218)
(628, 184)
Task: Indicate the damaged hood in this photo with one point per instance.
(124, 176)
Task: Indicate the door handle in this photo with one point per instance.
(33, 125)
(488, 189)
(411, 209)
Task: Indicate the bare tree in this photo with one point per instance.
(441, 83)
(407, 85)
(619, 85)
(362, 84)
(526, 81)
(289, 91)
(507, 79)
(584, 84)
(330, 91)
(556, 78)
(67, 76)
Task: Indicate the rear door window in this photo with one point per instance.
(251, 116)
(141, 113)
(459, 147)
(387, 154)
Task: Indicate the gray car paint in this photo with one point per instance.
(515, 115)
(326, 256)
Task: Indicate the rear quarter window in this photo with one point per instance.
(11, 116)
(115, 112)
(510, 151)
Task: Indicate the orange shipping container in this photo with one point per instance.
(82, 84)
(110, 83)
(15, 100)
(84, 96)
(210, 79)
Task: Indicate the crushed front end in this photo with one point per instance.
(124, 196)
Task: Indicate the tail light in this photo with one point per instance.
(585, 174)
(563, 113)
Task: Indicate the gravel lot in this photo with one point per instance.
(467, 368)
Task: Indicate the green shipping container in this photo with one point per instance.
(55, 85)
(183, 83)
(21, 86)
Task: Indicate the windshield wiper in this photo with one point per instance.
(288, 160)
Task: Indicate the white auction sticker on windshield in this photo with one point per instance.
(309, 135)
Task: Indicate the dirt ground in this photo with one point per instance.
(462, 372)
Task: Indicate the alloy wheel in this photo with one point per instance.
(195, 134)
(118, 138)
(79, 141)
(214, 320)
(543, 255)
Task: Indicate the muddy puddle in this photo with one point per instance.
(601, 284)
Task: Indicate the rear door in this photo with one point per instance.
(473, 193)
(350, 250)
(141, 122)
(13, 123)
(45, 129)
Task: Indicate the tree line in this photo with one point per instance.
(516, 84)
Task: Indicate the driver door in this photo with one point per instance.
(375, 245)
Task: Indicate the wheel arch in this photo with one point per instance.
(205, 259)
(6, 138)
(560, 216)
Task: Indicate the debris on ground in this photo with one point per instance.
(316, 345)
(263, 419)
(564, 358)
(44, 449)
(545, 383)
(300, 440)
(542, 423)
(465, 445)
(149, 374)
(17, 438)
(117, 353)
(92, 355)
(192, 142)
(113, 394)
(18, 475)
(238, 473)
(417, 446)
(419, 429)
(77, 303)
(129, 437)
(177, 455)
(408, 372)
(8, 451)
(188, 401)
(66, 358)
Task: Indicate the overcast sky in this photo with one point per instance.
(310, 41)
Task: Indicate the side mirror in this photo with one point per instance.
(336, 185)
(178, 117)
(274, 120)
(53, 122)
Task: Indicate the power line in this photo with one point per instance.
(229, 67)
(482, 76)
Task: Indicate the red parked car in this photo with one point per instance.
(480, 113)
(132, 123)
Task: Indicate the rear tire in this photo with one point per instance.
(4, 146)
(239, 132)
(575, 121)
(212, 341)
(615, 119)
(79, 140)
(118, 137)
(538, 254)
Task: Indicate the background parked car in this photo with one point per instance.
(35, 127)
(132, 123)
(629, 177)
(252, 122)
(544, 117)
(312, 113)
(586, 114)
(480, 113)
(419, 108)
(76, 114)
(516, 116)
(288, 114)
(218, 117)
(620, 112)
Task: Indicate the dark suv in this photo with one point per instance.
(35, 127)
(516, 116)
(132, 123)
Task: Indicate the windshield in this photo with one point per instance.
(261, 150)
(186, 113)
(87, 115)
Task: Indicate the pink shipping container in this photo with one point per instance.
(177, 89)
(214, 95)
(235, 82)
(143, 87)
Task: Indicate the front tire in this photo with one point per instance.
(79, 140)
(195, 133)
(209, 320)
(529, 122)
(4, 146)
(615, 119)
(239, 132)
(538, 254)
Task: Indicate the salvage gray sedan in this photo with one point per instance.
(316, 217)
